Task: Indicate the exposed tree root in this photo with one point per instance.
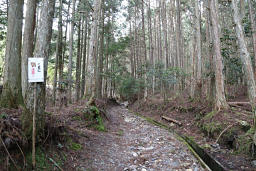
(230, 126)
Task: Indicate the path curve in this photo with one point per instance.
(131, 143)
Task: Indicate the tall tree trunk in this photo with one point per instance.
(66, 34)
(178, 34)
(156, 52)
(209, 53)
(87, 83)
(78, 58)
(253, 26)
(70, 63)
(60, 46)
(164, 23)
(135, 43)
(245, 57)
(160, 57)
(93, 43)
(58, 59)
(42, 50)
(28, 43)
(151, 45)
(166, 53)
(145, 50)
(101, 53)
(84, 57)
(221, 102)
(131, 47)
(198, 50)
(12, 93)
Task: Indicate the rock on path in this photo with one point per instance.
(132, 143)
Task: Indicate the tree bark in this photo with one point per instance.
(221, 102)
(42, 50)
(84, 58)
(245, 57)
(253, 26)
(28, 43)
(178, 34)
(145, 50)
(78, 58)
(12, 94)
(198, 50)
(93, 42)
(58, 58)
(164, 23)
(209, 53)
(101, 52)
(70, 63)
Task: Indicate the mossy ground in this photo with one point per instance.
(245, 145)
(74, 145)
(94, 119)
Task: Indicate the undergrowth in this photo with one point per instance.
(93, 115)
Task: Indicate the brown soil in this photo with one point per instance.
(128, 142)
(190, 114)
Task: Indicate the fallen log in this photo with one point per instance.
(171, 120)
(239, 103)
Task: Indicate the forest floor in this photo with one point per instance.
(194, 117)
(128, 142)
(116, 138)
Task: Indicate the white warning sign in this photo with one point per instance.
(35, 70)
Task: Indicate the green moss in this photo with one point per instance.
(245, 143)
(27, 123)
(48, 113)
(95, 110)
(206, 146)
(94, 114)
(77, 110)
(76, 118)
(11, 99)
(120, 133)
(75, 146)
(100, 126)
(3, 115)
(212, 129)
(41, 160)
(210, 115)
(150, 120)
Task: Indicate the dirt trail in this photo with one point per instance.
(132, 143)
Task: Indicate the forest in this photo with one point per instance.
(128, 85)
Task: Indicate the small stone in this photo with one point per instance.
(143, 169)
(189, 170)
(171, 124)
(175, 163)
(133, 167)
(254, 163)
(196, 169)
(134, 154)
(126, 169)
(186, 164)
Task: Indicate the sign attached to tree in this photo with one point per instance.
(35, 70)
